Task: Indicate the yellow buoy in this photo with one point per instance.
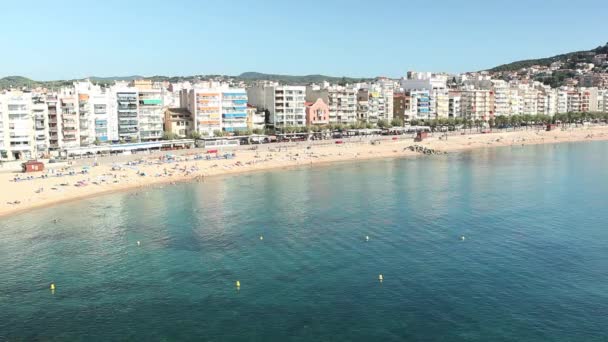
(380, 277)
(52, 287)
(238, 283)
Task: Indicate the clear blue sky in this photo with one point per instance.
(59, 39)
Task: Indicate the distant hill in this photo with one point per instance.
(570, 59)
(117, 78)
(18, 82)
(307, 79)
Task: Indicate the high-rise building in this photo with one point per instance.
(68, 115)
(52, 102)
(126, 108)
(17, 127)
(502, 98)
(285, 104)
(41, 124)
(234, 110)
(151, 113)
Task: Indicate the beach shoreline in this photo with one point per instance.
(105, 179)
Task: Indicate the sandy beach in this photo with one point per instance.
(90, 177)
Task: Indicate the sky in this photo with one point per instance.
(65, 39)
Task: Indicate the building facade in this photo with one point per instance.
(285, 104)
(317, 113)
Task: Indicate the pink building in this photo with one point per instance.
(317, 113)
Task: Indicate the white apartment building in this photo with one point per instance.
(502, 98)
(530, 100)
(17, 128)
(96, 113)
(602, 100)
(562, 101)
(286, 104)
(68, 115)
(454, 104)
(234, 109)
(342, 101)
(420, 105)
(151, 114)
(105, 123)
(40, 115)
(477, 104)
(126, 109)
(516, 101)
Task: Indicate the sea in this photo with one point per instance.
(497, 244)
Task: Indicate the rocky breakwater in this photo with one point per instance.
(424, 150)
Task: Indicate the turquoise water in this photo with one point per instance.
(534, 265)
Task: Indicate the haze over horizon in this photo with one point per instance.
(70, 39)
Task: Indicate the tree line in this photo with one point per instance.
(500, 121)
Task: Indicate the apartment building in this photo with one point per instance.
(573, 101)
(40, 115)
(602, 96)
(17, 127)
(151, 113)
(68, 116)
(127, 107)
(454, 104)
(477, 104)
(342, 101)
(588, 97)
(205, 106)
(52, 103)
(438, 94)
(440, 99)
(530, 100)
(502, 98)
(285, 104)
(420, 104)
(104, 123)
(216, 108)
(234, 110)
